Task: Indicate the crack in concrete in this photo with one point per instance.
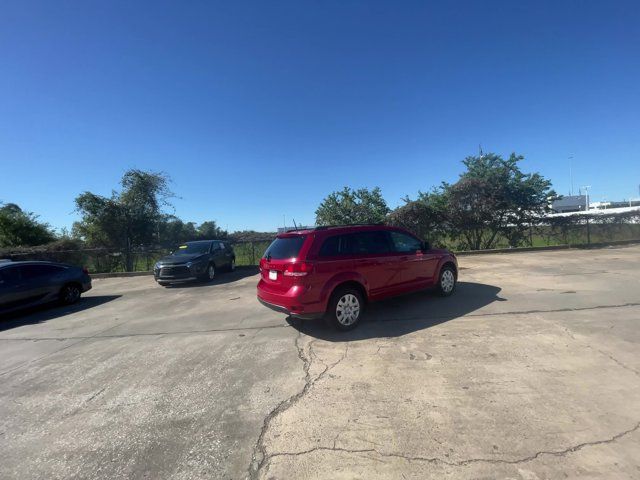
(623, 365)
(462, 463)
(260, 458)
(608, 355)
(95, 394)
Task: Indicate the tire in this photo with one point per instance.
(70, 294)
(447, 281)
(210, 274)
(163, 284)
(232, 265)
(345, 309)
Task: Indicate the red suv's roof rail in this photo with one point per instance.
(325, 227)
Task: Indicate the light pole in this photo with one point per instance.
(571, 172)
(586, 192)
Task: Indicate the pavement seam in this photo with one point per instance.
(463, 463)
(81, 339)
(151, 334)
(521, 312)
(235, 329)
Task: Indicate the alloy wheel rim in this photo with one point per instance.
(233, 265)
(348, 309)
(212, 272)
(72, 294)
(447, 281)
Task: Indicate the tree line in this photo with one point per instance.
(493, 202)
(132, 217)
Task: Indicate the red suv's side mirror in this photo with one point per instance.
(426, 246)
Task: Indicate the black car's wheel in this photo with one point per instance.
(211, 272)
(345, 309)
(232, 265)
(447, 281)
(163, 284)
(70, 294)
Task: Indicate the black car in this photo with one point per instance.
(26, 284)
(198, 260)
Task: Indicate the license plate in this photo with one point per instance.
(273, 274)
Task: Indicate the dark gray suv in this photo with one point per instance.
(26, 284)
(198, 260)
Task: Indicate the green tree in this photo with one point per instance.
(494, 198)
(210, 230)
(424, 217)
(20, 228)
(173, 231)
(128, 218)
(348, 206)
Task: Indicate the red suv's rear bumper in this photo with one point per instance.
(296, 301)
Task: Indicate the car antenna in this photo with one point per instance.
(294, 223)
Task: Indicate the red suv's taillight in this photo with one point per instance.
(298, 269)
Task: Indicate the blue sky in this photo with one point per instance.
(260, 109)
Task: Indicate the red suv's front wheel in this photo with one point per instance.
(345, 309)
(447, 281)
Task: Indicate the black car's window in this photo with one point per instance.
(9, 275)
(192, 248)
(405, 243)
(285, 247)
(34, 271)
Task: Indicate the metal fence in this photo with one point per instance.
(103, 260)
(576, 230)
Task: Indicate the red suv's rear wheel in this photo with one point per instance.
(345, 308)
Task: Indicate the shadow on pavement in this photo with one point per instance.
(406, 314)
(221, 278)
(42, 313)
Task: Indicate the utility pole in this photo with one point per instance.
(571, 173)
(586, 191)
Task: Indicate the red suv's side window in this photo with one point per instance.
(361, 243)
(369, 243)
(405, 243)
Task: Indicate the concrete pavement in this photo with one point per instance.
(531, 370)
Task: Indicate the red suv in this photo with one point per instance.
(335, 271)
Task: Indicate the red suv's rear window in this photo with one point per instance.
(285, 247)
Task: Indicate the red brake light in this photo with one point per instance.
(85, 270)
(298, 269)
